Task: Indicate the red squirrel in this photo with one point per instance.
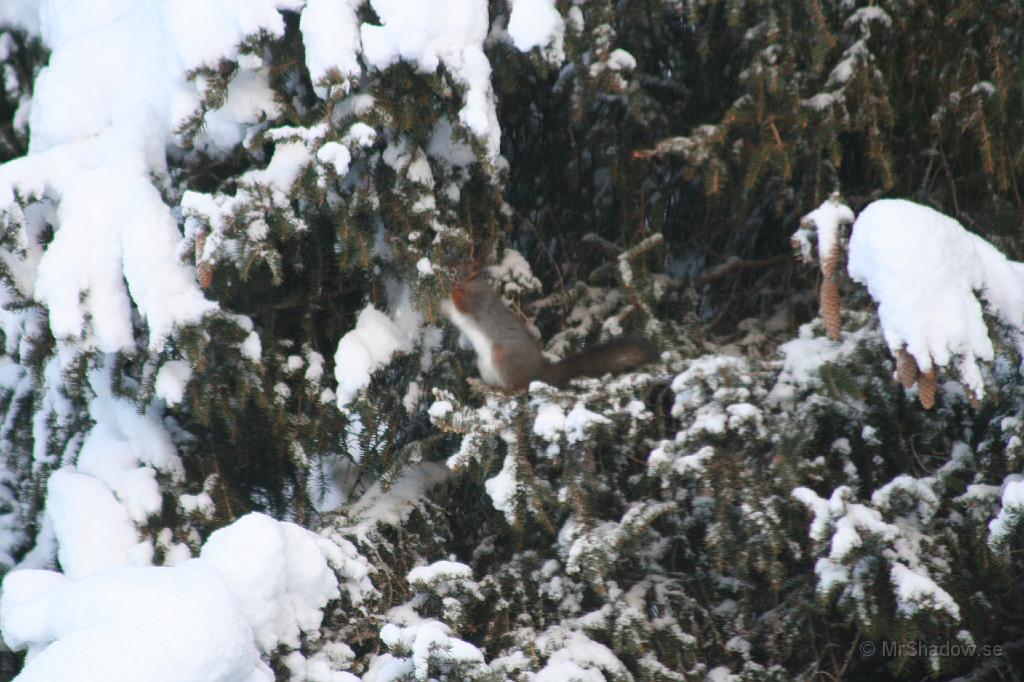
(509, 357)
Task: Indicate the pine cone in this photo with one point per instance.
(926, 385)
(829, 305)
(200, 245)
(829, 308)
(205, 274)
(906, 368)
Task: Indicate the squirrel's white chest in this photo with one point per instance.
(482, 344)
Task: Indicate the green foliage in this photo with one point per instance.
(21, 57)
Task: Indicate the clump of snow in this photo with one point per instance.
(330, 34)
(285, 166)
(710, 377)
(579, 420)
(819, 507)
(501, 488)
(846, 526)
(574, 656)
(360, 135)
(252, 347)
(850, 522)
(439, 571)
(930, 278)
(712, 397)
(424, 267)
(93, 530)
(513, 274)
(745, 415)
(923, 500)
(469, 449)
(321, 666)
(375, 338)
(249, 100)
(620, 60)
(336, 155)
(915, 591)
(171, 381)
(391, 506)
(550, 421)
(805, 356)
(314, 367)
(125, 450)
(440, 409)
(418, 170)
(200, 504)
(1012, 509)
(279, 572)
(210, 219)
(864, 15)
(856, 523)
(427, 34)
(420, 645)
(721, 674)
(536, 23)
(662, 458)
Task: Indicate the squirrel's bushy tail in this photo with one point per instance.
(614, 356)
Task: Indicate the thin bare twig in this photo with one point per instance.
(735, 264)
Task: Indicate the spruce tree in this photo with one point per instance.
(223, 336)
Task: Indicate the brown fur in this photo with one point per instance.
(516, 354)
(606, 358)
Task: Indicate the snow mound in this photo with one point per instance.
(280, 574)
(130, 624)
(94, 532)
(259, 583)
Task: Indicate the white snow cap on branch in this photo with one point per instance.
(369, 346)
(1012, 508)
(932, 280)
(427, 33)
(123, 65)
(827, 220)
